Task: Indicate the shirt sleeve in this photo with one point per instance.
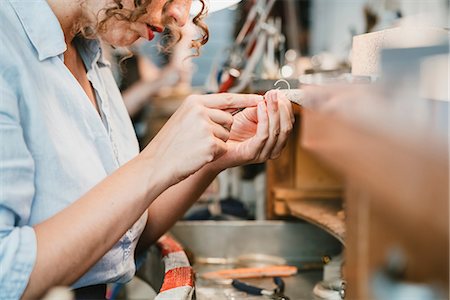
(17, 240)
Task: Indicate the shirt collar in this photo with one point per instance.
(45, 33)
(41, 26)
(91, 52)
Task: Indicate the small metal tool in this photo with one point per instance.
(295, 96)
(237, 111)
(275, 294)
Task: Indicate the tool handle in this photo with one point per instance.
(252, 290)
(280, 283)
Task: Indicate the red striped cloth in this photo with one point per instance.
(179, 275)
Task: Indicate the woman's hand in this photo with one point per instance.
(196, 134)
(259, 133)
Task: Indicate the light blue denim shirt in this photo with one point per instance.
(54, 146)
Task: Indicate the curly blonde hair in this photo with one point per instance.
(173, 32)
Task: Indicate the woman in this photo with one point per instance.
(77, 200)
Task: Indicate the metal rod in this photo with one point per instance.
(296, 96)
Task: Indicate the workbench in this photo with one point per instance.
(396, 174)
(392, 157)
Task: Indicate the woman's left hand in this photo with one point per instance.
(259, 133)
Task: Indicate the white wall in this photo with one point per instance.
(221, 26)
(332, 23)
(427, 12)
(332, 20)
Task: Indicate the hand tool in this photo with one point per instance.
(296, 96)
(237, 111)
(276, 294)
(239, 273)
(247, 49)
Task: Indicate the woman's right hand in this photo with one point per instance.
(196, 134)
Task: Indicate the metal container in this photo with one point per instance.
(225, 243)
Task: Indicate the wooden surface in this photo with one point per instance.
(404, 178)
(298, 175)
(311, 173)
(326, 214)
(397, 179)
(281, 192)
(321, 207)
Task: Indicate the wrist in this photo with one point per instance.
(156, 178)
(214, 168)
(224, 162)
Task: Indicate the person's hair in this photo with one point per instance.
(173, 32)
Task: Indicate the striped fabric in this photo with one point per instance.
(179, 275)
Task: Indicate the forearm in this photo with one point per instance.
(72, 241)
(173, 203)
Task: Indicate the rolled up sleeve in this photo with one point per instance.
(17, 240)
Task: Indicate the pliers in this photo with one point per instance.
(275, 294)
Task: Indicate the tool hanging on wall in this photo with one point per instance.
(260, 37)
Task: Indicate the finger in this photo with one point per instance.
(274, 123)
(288, 105)
(257, 142)
(220, 132)
(282, 99)
(220, 117)
(251, 114)
(285, 130)
(291, 112)
(227, 101)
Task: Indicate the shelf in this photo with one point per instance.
(294, 193)
(396, 172)
(321, 207)
(325, 213)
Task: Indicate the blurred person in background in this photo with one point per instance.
(78, 202)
